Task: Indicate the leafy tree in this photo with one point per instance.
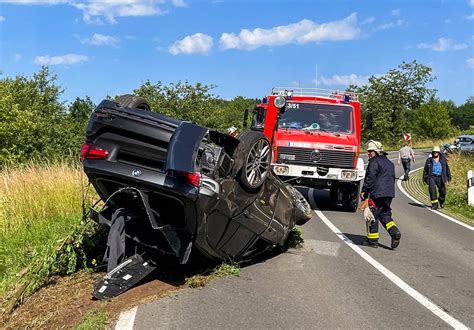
(463, 116)
(75, 123)
(388, 100)
(431, 120)
(195, 103)
(30, 114)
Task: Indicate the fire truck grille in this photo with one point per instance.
(326, 158)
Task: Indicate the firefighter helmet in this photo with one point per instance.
(374, 146)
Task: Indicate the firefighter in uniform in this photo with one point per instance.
(379, 187)
(436, 174)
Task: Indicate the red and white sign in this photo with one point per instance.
(407, 136)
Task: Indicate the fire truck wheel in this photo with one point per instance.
(133, 101)
(350, 197)
(333, 195)
(252, 155)
(303, 211)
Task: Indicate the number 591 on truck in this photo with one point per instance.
(315, 135)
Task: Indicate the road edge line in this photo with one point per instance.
(126, 319)
(400, 187)
(420, 298)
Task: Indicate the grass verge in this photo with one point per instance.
(41, 228)
(222, 270)
(94, 320)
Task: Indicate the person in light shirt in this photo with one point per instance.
(406, 156)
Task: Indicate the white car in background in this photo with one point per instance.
(465, 143)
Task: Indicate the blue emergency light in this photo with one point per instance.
(347, 98)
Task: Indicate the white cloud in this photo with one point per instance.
(98, 39)
(94, 10)
(470, 62)
(302, 32)
(368, 21)
(344, 80)
(179, 3)
(2, 18)
(17, 57)
(391, 25)
(448, 21)
(442, 45)
(35, 2)
(471, 3)
(61, 59)
(396, 12)
(470, 17)
(197, 43)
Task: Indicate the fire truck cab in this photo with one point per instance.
(315, 135)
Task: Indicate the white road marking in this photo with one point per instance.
(435, 309)
(126, 319)
(399, 185)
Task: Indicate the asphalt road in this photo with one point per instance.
(428, 281)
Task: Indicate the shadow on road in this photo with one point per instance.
(358, 239)
(417, 204)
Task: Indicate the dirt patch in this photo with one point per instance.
(65, 302)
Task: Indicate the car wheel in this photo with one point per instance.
(254, 154)
(133, 101)
(303, 212)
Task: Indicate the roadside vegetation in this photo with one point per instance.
(94, 320)
(42, 232)
(223, 270)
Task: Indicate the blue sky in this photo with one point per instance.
(109, 47)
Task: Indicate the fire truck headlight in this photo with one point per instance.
(348, 175)
(279, 101)
(281, 170)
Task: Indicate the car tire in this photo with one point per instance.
(303, 212)
(252, 157)
(133, 101)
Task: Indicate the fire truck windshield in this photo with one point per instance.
(313, 117)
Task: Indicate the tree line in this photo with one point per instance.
(35, 125)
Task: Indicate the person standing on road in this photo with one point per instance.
(406, 156)
(436, 174)
(379, 186)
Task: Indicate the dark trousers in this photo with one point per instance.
(437, 182)
(406, 163)
(382, 213)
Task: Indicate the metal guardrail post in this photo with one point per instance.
(470, 188)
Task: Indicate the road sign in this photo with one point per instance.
(407, 136)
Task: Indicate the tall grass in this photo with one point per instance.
(456, 197)
(39, 205)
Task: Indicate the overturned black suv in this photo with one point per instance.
(171, 186)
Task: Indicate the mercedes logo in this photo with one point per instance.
(136, 172)
(315, 156)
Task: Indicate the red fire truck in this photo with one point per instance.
(315, 136)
